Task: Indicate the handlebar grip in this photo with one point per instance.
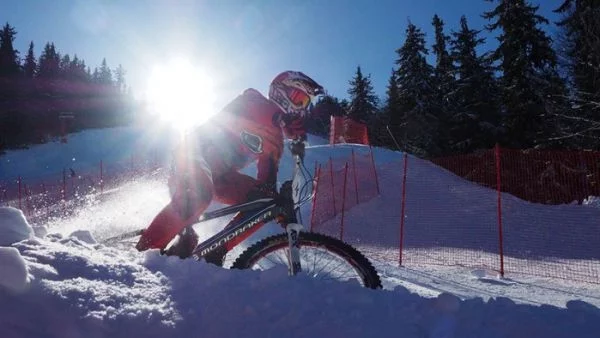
(297, 148)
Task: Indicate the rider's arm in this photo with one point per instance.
(295, 130)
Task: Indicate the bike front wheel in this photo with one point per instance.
(321, 257)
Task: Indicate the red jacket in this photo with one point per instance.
(247, 130)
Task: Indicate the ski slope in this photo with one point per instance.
(56, 280)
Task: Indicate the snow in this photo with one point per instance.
(68, 284)
(13, 226)
(82, 152)
(13, 271)
(99, 291)
(84, 236)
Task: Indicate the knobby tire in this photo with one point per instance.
(362, 266)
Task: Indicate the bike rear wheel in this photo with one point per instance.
(321, 257)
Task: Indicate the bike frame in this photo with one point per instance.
(254, 215)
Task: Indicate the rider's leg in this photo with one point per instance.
(230, 187)
(192, 192)
(233, 187)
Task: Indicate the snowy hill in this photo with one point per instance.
(83, 151)
(68, 285)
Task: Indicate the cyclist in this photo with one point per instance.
(207, 164)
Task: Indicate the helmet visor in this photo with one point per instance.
(298, 97)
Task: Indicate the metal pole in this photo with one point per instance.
(355, 179)
(332, 185)
(498, 188)
(343, 202)
(314, 206)
(403, 210)
(374, 170)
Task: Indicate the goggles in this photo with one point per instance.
(298, 97)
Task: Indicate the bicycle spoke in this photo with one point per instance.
(272, 261)
(316, 261)
(325, 266)
(336, 267)
(283, 258)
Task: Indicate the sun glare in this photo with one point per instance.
(181, 94)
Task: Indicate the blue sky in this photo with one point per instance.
(240, 43)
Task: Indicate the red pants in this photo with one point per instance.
(193, 186)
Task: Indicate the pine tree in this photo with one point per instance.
(475, 119)
(320, 119)
(30, 65)
(78, 69)
(345, 105)
(392, 102)
(105, 74)
(531, 87)
(120, 79)
(329, 105)
(95, 76)
(9, 56)
(389, 115)
(581, 38)
(65, 69)
(418, 126)
(49, 62)
(443, 81)
(443, 71)
(363, 101)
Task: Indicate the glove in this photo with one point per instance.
(297, 148)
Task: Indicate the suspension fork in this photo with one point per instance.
(288, 220)
(293, 255)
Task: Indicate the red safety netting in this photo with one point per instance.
(442, 226)
(346, 130)
(559, 234)
(55, 194)
(341, 185)
(531, 212)
(541, 226)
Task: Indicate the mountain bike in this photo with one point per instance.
(315, 254)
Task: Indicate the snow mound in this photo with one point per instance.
(13, 226)
(99, 291)
(84, 236)
(40, 230)
(13, 271)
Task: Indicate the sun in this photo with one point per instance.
(180, 93)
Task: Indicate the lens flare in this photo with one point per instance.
(181, 94)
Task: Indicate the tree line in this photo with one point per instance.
(35, 91)
(529, 92)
